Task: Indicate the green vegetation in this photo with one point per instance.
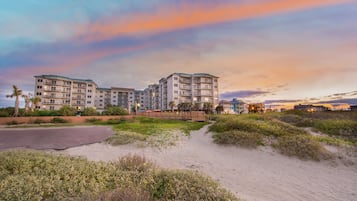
(30, 175)
(89, 111)
(253, 130)
(141, 128)
(114, 110)
(67, 110)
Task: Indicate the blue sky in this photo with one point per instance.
(277, 50)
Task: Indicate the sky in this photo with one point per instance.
(274, 51)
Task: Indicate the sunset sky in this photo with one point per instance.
(272, 51)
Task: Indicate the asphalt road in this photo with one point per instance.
(52, 138)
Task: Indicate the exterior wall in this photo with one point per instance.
(57, 91)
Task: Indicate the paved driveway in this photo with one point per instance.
(52, 138)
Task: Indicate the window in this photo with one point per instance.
(215, 80)
(100, 100)
(52, 107)
(100, 104)
(89, 96)
(89, 91)
(39, 87)
(38, 94)
(114, 96)
(79, 91)
(52, 101)
(101, 91)
(39, 80)
(175, 85)
(89, 102)
(175, 78)
(101, 96)
(89, 85)
(175, 92)
(53, 82)
(53, 88)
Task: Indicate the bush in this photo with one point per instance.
(59, 120)
(187, 185)
(115, 111)
(4, 113)
(115, 121)
(303, 147)
(67, 110)
(7, 112)
(240, 138)
(33, 175)
(89, 111)
(44, 113)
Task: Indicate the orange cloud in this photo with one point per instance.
(187, 16)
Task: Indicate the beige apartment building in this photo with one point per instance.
(197, 88)
(56, 91)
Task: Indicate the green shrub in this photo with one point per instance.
(187, 185)
(240, 138)
(67, 110)
(4, 113)
(345, 128)
(34, 175)
(303, 147)
(59, 120)
(44, 113)
(89, 111)
(115, 111)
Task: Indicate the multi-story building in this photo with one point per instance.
(151, 97)
(102, 98)
(56, 91)
(197, 89)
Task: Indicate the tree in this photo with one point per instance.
(207, 107)
(196, 107)
(219, 109)
(172, 104)
(34, 102)
(15, 93)
(27, 101)
(67, 110)
(89, 111)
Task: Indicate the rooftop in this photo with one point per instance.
(63, 77)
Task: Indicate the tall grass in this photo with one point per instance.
(29, 175)
(253, 130)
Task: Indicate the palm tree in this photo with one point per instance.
(172, 104)
(34, 102)
(27, 101)
(16, 93)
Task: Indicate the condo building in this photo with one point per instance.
(56, 91)
(198, 88)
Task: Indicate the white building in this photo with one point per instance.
(56, 91)
(198, 88)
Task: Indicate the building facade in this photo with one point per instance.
(197, 89)
(56, 91)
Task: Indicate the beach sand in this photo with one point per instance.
(252, 174)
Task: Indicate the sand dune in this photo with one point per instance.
(255, 175)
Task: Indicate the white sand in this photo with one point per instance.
(252, 174)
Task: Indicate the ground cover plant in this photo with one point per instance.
(34, 175)
(252, 130)
(144, 128)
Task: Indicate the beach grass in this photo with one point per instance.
(35, 175)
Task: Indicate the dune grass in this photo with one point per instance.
(252, 130)
(34, 175)
(143, 128)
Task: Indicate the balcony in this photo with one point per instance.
(188, 81)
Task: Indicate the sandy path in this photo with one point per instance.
(252, 174)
